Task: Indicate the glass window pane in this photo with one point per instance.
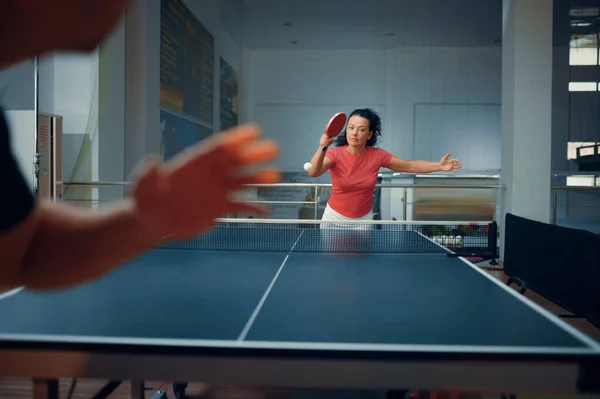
(583, 86)
(584, 50)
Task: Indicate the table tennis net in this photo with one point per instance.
(276, 235)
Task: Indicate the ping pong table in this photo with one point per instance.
(299, 303)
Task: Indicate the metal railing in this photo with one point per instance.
(575, 198)
(313, 197)
(555, 190)
(276, 185)
(404, 192)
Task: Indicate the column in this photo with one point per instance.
(560, 86)
(561, 75)
(142, 82)
(526, 109)
(111, 113)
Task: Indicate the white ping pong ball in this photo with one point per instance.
(307, 166)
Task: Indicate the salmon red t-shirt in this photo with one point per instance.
(353, 178)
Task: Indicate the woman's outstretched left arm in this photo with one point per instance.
(446, 164)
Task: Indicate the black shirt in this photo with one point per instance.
(16, 198)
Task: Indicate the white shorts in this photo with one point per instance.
(332, 215)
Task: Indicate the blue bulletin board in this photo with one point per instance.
(178, 133)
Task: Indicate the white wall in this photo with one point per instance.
(17, 86)
(23, 129)
(68, 88)
(142, 87)
(292, 94)
(111, 113)
(446, 77)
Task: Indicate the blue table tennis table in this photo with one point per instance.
(289, 304)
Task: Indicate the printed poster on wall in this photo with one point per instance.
(187, 63)
(178, 133)
(229, 96)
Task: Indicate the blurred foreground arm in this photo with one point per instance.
(443, 165)
(57, 245)
(45, 245)
(34, 28)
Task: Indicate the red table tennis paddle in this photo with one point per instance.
(335, 125)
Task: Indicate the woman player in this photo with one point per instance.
(355, 162)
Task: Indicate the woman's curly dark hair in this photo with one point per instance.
(374, 125)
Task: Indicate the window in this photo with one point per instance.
(572, 149)
(584, 86)
(584, 50)
(579, 180)
(586, 181)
